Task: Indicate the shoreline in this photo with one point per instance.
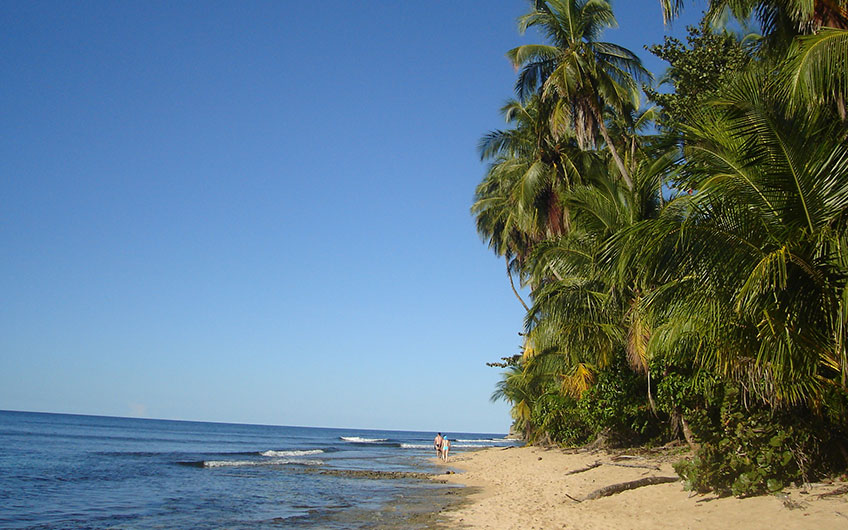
(422, 507)
(534, 487)
(425, 504)
(423, 501)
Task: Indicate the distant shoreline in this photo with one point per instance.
(526, 487)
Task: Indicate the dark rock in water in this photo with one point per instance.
(370, 474)
(514, 434)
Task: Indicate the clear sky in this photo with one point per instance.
(257, 211)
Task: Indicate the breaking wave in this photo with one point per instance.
(252, 463)
(359, 440)
(307, 452)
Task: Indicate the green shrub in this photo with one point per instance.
(617, 404)
(756, 450)
(557, 416)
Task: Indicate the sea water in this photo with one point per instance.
(71, 471)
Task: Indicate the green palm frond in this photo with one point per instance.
(818, 69)
(670, 9)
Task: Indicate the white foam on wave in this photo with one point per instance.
(486, 441)
(358, 440)
(415, 446)
(307, 452)
(250, 463)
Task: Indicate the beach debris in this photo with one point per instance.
(841, 490)
(582, 469)
(642, 466)
(572, 498)
(612, 489)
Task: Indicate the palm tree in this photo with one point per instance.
(784, 18)
(500, 221)
(818, 70)
(753, 265)
(518, 203)
(576, 73)
(516, 387)
(587, 308)
(515, 204)
(811, 34)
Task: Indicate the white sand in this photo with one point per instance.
(526, 488)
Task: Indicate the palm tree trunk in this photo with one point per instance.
(687, 433)
(512, 284)
(618, 162)
(633, 152)
(650, 397)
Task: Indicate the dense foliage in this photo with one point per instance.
(718, 315)
(695, 71)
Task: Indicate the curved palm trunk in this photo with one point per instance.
(687, 433)
(618, 162)
(512, 284)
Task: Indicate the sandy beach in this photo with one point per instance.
(532, 487)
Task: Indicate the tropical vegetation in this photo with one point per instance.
(683, 267)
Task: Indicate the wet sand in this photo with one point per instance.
(531, 487)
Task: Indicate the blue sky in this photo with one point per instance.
(257, 211)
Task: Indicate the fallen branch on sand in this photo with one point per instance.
(572, 498)
(624, 486)
(582, 469)
(838, 491)
(656, 468)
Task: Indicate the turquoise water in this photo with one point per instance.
(69, 471)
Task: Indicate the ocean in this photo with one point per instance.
(71, 471)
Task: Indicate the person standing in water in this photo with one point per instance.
(437, 445)
(445, 448)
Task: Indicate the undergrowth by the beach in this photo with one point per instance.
(615, 411)
(751, 450)
(743, 447)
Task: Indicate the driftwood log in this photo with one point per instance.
(624, 486)
(838, 491)
(645, 466)
(582, 469)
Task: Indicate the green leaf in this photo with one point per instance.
(774, 485)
